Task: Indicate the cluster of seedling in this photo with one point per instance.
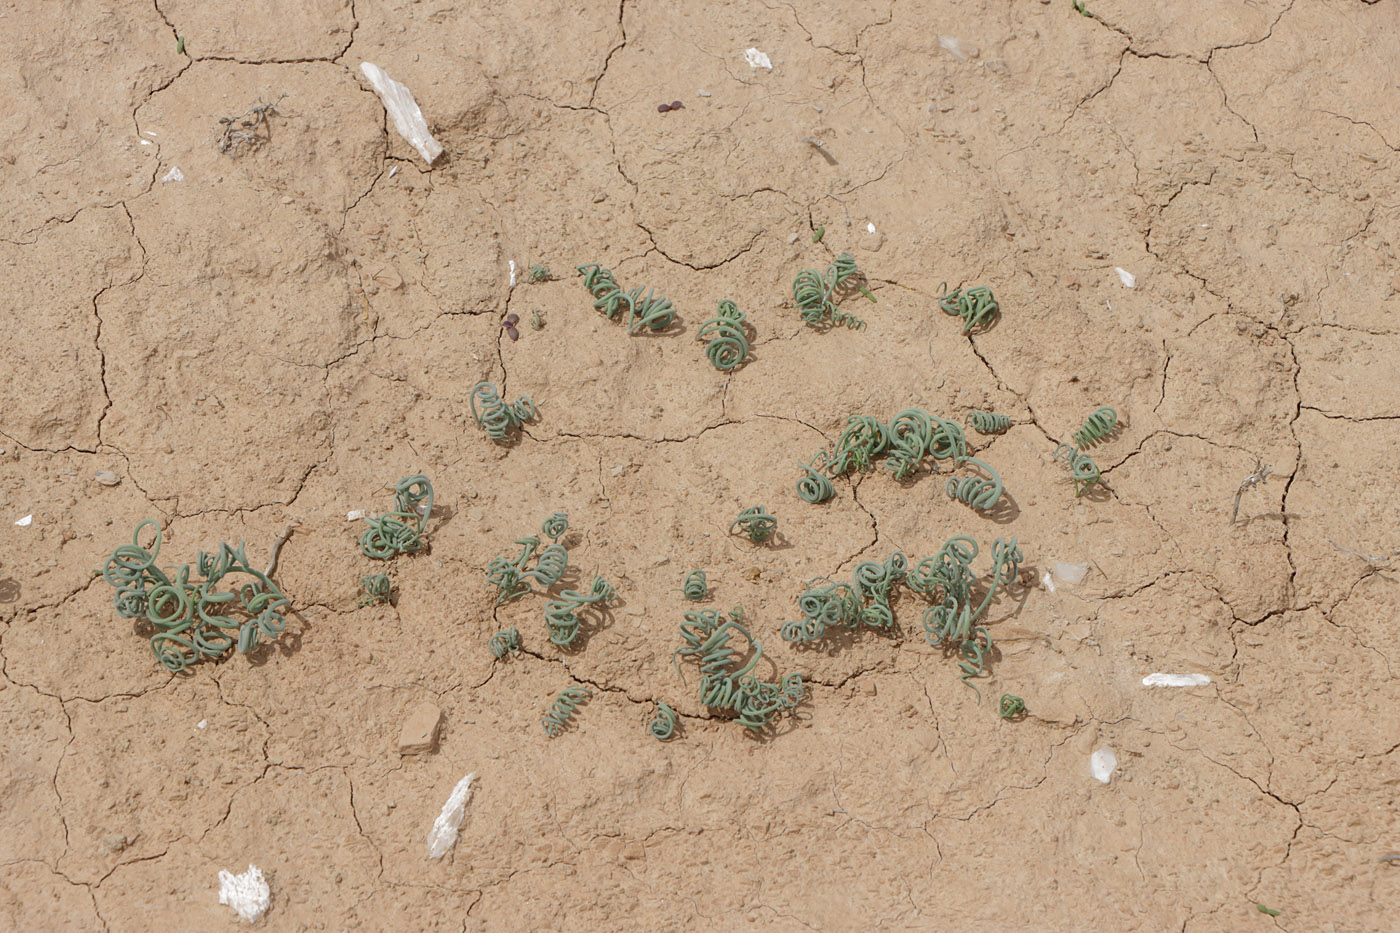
(1084, 473)
(247, 131)
(945, 580)
(402, 531)
(755, 523)
(910, 437)
(817, 294)
(512, 579)
(196, 619)
(499, 419)
(728, 683)
(977, 306)
(609, 299)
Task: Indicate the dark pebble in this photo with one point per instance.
(663, 108)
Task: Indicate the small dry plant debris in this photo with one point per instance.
(247, 131)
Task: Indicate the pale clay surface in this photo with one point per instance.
(286, 334)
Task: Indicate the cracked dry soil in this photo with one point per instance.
(281, 335)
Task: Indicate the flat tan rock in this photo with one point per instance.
(419, 734)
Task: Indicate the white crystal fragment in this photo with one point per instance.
(408, 119)
(174, 174)
(1102, 764)
(757, 59)
(354, 515)
(512, 273)
(1047, 582)
(958, 48)
(248, 893)
(1175, 680)
(201, 724)
(869, 228)
(26, 521)
(1071, 573)
(106, 478)
(1126, 277)
(444, 832)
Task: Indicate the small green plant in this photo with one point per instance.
(663, 726)
(561, 615)
(986, 422)
(608, 298)
(1267, 910)
(815, 487)
(1079, 7)
(977, 306)
(505, 642)
(400, 531)
(981, 494)
(1082, 470)
(538, 273)
(537, 319)
(817, 237)
(511, 577)
(1098, 426)
(562, 709)
(756, 523)
(729, 343)
(497, 418)
(695, 587)
(1011, 706)
(814, 294)
(376, 589)
(727, 682)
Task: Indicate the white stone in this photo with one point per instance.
(248, 893)
(1175, 680)
(1126, 277)
(1071, 573)
(174, 174)
(757, 59)
(1102, 764)
(408, 119)
(443, 835)
(26, 521)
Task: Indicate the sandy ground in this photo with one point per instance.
(284, 334)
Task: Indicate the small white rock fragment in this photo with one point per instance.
(1175, 680)
(174, 174)
(201, 724)
(408, 119)
(757, 59)
(957, 48)
(703, 93)
(393, 171)
(1102, 764)
(106, 478)
(1126, 277)
(248, 893)
(512, 273)
(869, 228)
(26, 521)
(354, 515)
(146, 142)
(444, 832)
(1047, 582)
(1071, 573)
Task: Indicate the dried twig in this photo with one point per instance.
(1385, 558)
(277, 547)
(1261, 473)
(248, 130)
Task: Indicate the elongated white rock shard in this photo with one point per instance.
(1175, 680)
(1102, 764)
(1126, 277)
(248, 893)
(408, 119)
(444, 832)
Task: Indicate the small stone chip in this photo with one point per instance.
(106, 478)
(420, 729)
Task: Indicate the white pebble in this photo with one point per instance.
(201, 724)
(869, 228)
(1126, 277)
(174, 174)
(1102, 764)
(354, 515)
(248, 893)
(512, 273)
(26, 521)
(1175, 680)
(757, 59)
(1047, 582)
